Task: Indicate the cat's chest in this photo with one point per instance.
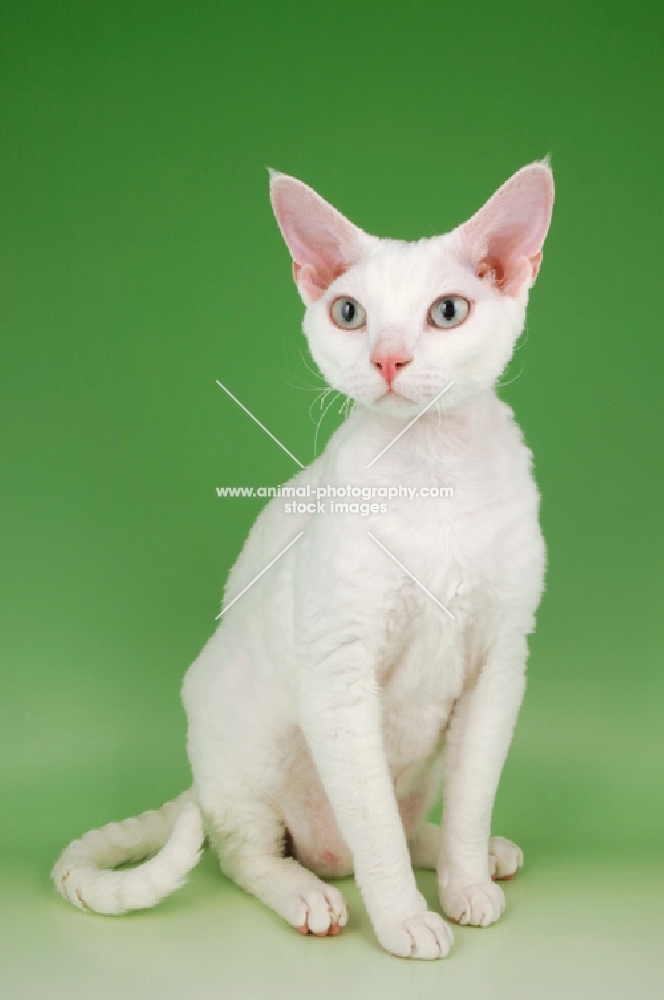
(450, 504)
(426, 660)
(447, 526)
(430, 632)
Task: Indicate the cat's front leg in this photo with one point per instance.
(478, 738)
(339, 713)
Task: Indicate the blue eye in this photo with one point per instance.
(448, 311)
(348, 313)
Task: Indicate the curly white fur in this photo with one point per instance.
(173, 834)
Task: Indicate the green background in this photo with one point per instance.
(139, 262)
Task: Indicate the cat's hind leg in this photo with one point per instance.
(505, 858)
(424, 846)
(251, 853)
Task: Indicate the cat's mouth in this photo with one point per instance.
(395, 403)
(391, 401)
(391, 393)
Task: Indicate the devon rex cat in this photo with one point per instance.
(382, 655)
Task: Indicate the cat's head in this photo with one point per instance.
(391, 323)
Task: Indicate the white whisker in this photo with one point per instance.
(318, 425)
(501, 385)
(313, 371)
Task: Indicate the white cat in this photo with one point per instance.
(338, 696)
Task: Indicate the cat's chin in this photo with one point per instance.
(395, 404)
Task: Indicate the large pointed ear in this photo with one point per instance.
(504, 239)
(322, 242)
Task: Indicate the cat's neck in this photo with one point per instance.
(435, 437)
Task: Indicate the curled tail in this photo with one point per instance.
(83, 872)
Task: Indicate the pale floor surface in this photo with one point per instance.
(587, 929)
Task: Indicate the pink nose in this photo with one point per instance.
(389, 365)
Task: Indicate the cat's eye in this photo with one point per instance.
(448, 311)
(348, 313)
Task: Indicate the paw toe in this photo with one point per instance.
(478, 905)
(321, 912)
(426, 936)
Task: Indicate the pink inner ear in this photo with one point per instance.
(322, 242)
(313, 281)
(505, 237)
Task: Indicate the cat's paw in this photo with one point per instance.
(479, 905)
(426, 935)
(318, 911)
(505, 858)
